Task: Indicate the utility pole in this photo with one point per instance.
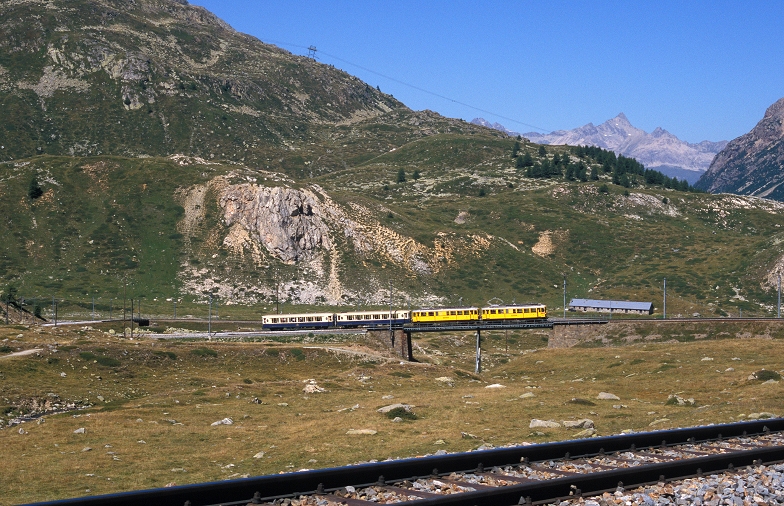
(93, 315)
(478, 367)
(175, 309)
(209, 319)
(778, 313)
(391, 332)
(131, 317)
(564, 306)
(312, 52)
(125, 302)
(665, 298)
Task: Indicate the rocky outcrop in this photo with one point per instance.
(752, 164)
(262, 225)
(289, 223)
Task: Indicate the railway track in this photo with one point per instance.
(534, 474)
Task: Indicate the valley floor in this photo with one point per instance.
(143, 413)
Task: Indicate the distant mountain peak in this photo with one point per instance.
(621, 118)
(658, 150)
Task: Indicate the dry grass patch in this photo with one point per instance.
(150, 417)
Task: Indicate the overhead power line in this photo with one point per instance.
(312, 52)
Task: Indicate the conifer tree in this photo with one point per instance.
(35, 189)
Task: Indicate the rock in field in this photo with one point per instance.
(606, 396)
(583, 423)
(387, 409)
(543, 424)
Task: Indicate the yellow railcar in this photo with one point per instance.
(451, 314)
(516, 312)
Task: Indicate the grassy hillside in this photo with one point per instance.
(492, 232)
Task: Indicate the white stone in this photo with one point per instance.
(495, 385)
(387, 409)
(312, 388)
(545, 424)
(367, 432)
(225, 421)
(80, 430)
(258, 455)
(606, 396)
(527, 395)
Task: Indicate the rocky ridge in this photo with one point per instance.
(752, 164)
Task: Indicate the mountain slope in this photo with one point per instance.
(658, 150)
(752, 164)
(160, 77)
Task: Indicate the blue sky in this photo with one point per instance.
(700, 69)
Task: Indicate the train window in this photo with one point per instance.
(275, 320)
(301, 318)
(430, 313)
(492, 311)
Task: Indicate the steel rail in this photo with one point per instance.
(596, 483)
(309, 482)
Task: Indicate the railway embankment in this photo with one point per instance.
(620, 331)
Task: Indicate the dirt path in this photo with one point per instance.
(22, 353)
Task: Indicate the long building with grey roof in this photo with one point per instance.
(610, 306)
